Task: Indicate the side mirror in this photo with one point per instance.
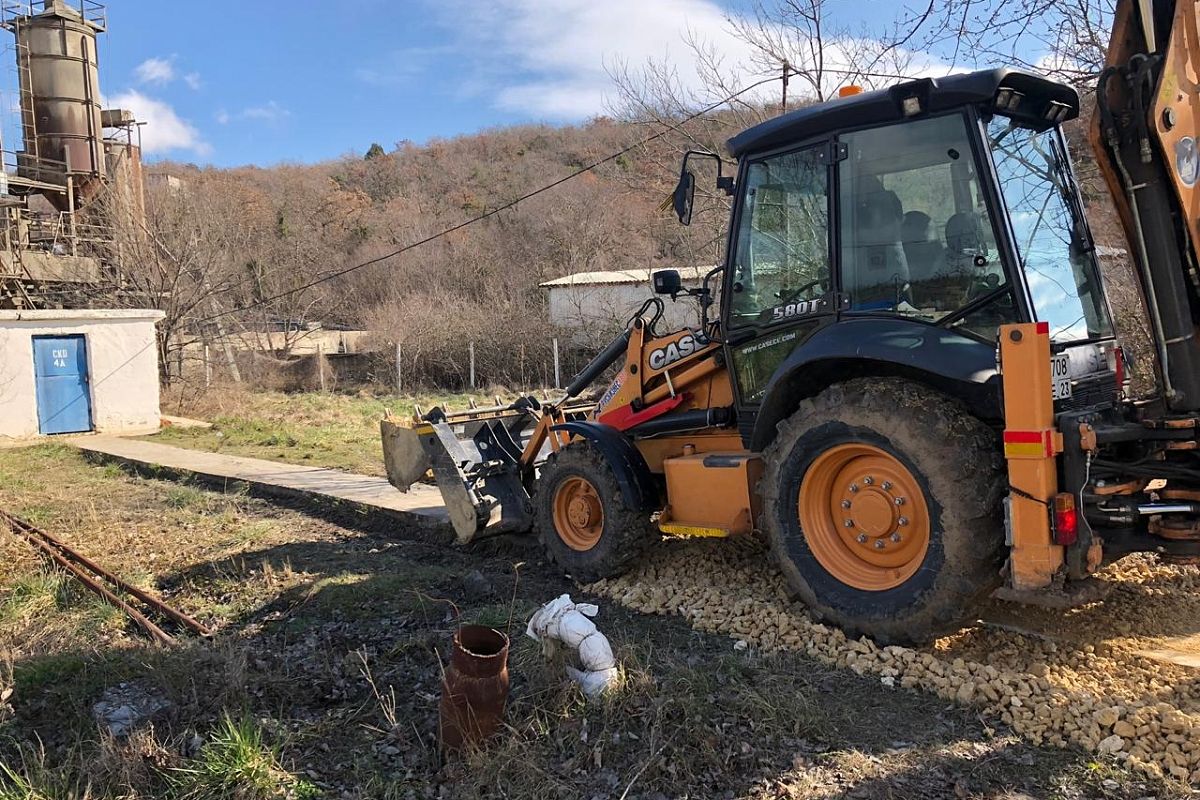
(667, 281)
(685, 193)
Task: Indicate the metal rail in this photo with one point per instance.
(80, 566)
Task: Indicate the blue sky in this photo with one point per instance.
(230, 83)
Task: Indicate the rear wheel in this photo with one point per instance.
(582, 519)
(881, 502)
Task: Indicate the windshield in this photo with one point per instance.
(1055, 251)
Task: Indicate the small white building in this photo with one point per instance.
(78, 370)
(602, 302)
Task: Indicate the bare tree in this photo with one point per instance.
(1066, 39)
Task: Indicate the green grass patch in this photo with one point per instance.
(315, 429)
(238, 763)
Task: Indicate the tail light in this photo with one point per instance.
(1066, 519)
(1117, 357)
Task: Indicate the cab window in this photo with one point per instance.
(781, 261)
(917, 238)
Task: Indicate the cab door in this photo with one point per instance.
(780, 286)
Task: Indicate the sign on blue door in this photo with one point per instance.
(64, 402)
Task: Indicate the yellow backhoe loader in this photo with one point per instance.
(906, 373)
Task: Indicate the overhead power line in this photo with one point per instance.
(498, 209)
(447, 231)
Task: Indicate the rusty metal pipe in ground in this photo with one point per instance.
(474, 687)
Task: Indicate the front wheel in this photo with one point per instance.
(881, 503)
(582, 519)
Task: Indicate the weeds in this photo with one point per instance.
(237, 763)
(35, 779)
(7, 686)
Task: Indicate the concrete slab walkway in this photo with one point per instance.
(421, 504)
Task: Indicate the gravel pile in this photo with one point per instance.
(1057, 677)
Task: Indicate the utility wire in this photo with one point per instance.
(445, 232)
(498, 209)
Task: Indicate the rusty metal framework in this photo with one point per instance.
(90, 11)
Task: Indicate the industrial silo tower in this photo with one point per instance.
(58, 74)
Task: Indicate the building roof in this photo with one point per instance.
(618, 276)
(78, 314)
(882, 106)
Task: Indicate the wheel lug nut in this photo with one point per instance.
(845, 504)
(879, 544)
(862, 538)
(902, 521)
(887, 485)
(868, 480)
(849, 523)
(895, 537)
(899, 501)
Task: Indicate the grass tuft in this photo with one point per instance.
(236, 763)
(35, 779)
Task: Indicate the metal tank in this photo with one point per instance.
(60, 91)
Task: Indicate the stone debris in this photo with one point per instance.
(1080, 681)
(123, 707)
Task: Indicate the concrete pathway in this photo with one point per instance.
(421, 504)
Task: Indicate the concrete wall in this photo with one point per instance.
(122, 367)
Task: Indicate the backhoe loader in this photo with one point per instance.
(905, 374)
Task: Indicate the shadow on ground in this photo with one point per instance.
(333, 643)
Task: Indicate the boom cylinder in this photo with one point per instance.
(603, 360)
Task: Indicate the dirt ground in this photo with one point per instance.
(1088, 676)
(323, 678)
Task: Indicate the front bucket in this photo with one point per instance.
(475, 466)
(404, 458)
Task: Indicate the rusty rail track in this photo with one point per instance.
(94, 577)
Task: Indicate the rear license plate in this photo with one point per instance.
(1060, 377)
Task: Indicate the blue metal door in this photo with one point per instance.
(60, 368)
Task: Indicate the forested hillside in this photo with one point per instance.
(253, 233)
(228, 239)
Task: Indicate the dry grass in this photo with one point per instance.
(324, 676)
(325, 430)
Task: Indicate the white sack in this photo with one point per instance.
(563, 621)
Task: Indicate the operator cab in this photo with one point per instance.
(946, 206)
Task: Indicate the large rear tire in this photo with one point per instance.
(881, 500)
(582, 518)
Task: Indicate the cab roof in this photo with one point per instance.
(885, 105)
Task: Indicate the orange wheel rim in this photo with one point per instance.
(864, 517)
(578, 513)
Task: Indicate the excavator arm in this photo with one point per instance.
(1145, 136)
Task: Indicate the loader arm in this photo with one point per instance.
(1145, 136)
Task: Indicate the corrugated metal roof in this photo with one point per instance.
(622, 276)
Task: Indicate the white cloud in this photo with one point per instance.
(192, 79)
(552, 58)
(562, 49)
(271, 112)
(155, 71)
(164, 130)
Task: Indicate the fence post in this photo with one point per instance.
(471, 351)
(557, 374)
(400, 383)
(321, 363)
